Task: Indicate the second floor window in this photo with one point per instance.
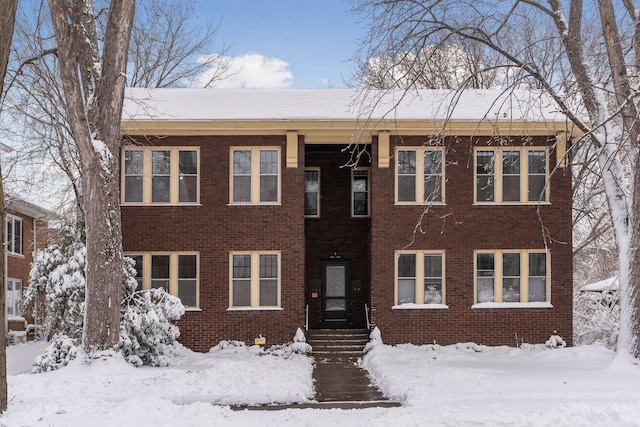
(360, 185)
(14, 234)
(312, 192)
(420, 175)
(255, 175)
(163, 175)
(511, 175)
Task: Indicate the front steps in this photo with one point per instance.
(337, 344)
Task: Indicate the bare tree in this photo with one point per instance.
(94, 85)
(591, 73)
(7, 21)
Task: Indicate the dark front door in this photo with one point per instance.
(336, 286)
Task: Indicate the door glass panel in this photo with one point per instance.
(335, 281)
(335, 305)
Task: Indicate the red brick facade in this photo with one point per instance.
(215, 229)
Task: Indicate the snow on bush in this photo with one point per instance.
(300, 343)
(375, 339)
(595, 317)
(147, 333)
(555, 341)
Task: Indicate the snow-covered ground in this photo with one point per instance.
(453, 386)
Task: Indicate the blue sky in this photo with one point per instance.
(295, 43)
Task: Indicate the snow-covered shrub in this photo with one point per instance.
(595, 317)
(147, 333)
(375, 339)
(300, 344)
(555, 341)
(58, 353)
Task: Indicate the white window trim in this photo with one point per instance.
(315, 169)
(524, 176)
(174, 197)
(524, 280)
(255, 175)
(353, 215)
(11, 245)
(255, 281)
(419, 297)
(420, 176)
(173, 272)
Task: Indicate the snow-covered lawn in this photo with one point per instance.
(454, 386)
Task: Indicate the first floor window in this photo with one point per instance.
(419, 277)
(511, 276)
(175, 272)
(14, 297)
(255, 279)
(160, 175)
(14, 234)
(312, 192)
(255, 175)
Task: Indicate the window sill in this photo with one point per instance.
(512, 204)
(15, 255)
(160, 204)
(491, 305)
(254, 309)
(254, 204)
(412, 306)
(420, 204)
(192, 309)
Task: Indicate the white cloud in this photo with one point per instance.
(250, 70)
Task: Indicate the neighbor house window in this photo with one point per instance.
(312, 192)
(175, 272)
(255, 175)
(511, 175)
(255, 280)
(511, 276)
(420, 277)
(420, 175)
(162, 175)
(14, 234)
(360, 192)
(14, 297)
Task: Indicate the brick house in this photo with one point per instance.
(269, 210)
(26, 229)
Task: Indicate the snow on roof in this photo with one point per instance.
(19, 205)
(143, 104)
(609, 284)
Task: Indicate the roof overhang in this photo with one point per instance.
(340, 131)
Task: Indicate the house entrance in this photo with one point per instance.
(335, 291)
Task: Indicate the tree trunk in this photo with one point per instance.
(94, 91)
(7, 21)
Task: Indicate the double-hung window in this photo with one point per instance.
(511, 175)
(312, 192)
(175, 272)
(14, 297)
(420, 175)
(14, 234)
(511, 276)
(420, 277)
(162, 175)
(255, 280)
(255, 175)
(360, 192)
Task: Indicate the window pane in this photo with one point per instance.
(485, 274)
(511, 289)
(406, 291)
(407, 265)
(138, 259)
(134, 162)
(406, 162)
(188, 161)
(268, 188)
(310, 204)
(268, 293)
(241, 266)
(538, 162)
(538, 264)
(536, 188)
(268, 266)
(433, 188)
(433, 162)
(188, 190)
(268, 162)
(242, 162)
(511, 163)
(485, 289)
(241, 293)
(160, 162)
(188, 292)
(160, 188)
(485, 176)
(360, 204)
(360, 194)
(311, 189)
(10, 246)
(433, 265)
(511, 264)
(241, 188)
(17, 237)
(511, 176)
(187, 267)
(160, 271)
(537, 289)
(432, 291)
(133, 188)
(406, 188)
